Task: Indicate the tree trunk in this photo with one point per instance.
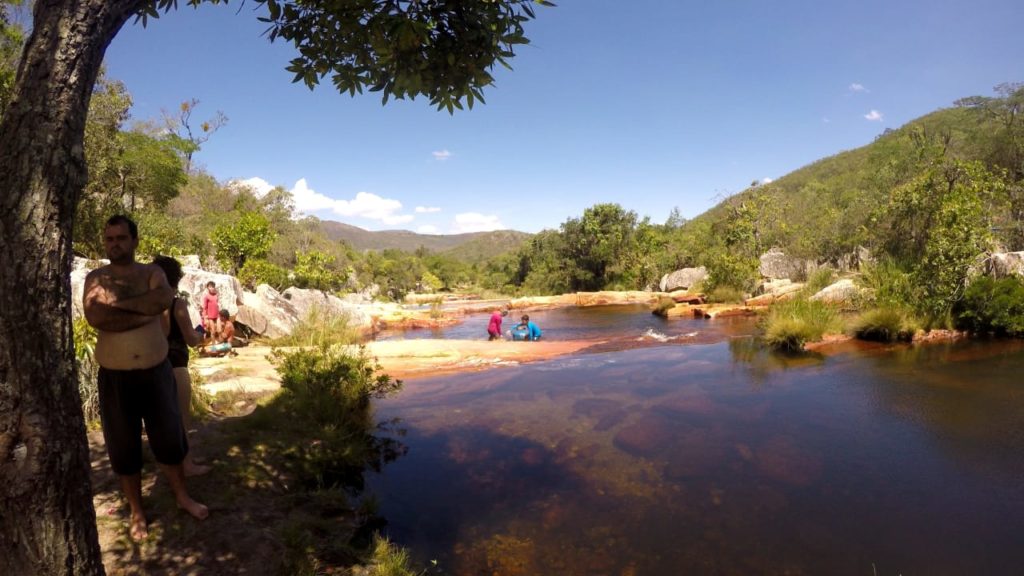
(47, 522)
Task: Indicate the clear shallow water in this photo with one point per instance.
(617, 323)
(717, 458)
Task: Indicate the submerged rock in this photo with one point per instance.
(779, 458)
(647, 437)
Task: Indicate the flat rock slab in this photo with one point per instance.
(408, 358)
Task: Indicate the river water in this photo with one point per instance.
(683, 447)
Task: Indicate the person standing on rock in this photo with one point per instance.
(124, 301)
(180, 335)
(494, 326)
(210, 311)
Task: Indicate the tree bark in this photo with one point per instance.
(47, 521)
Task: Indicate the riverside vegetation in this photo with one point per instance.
(929, 200)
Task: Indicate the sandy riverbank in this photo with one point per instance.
(252, 371)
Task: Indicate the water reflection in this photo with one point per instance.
(718, 458)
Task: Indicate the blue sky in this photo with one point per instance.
(652, 104)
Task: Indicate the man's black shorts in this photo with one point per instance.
(129, 397)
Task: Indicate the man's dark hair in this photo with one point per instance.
(526, 318)
(116, 219)
(211, 283)
(171, 268)
(224, 313)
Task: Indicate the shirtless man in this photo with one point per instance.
(124, 301)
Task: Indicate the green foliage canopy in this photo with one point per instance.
(249, 237)
(939, 223)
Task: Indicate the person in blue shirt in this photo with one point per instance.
(528, 330)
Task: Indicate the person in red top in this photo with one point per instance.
(494, 327)
(209, 310)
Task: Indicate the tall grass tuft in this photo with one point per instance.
(793, 323)
(726, 295)
(320, 329)
(886, 324)
(663, 306)
(887, 284)
(390, 560)
(818, 280)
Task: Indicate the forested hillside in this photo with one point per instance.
(472, 246)
(825, 209)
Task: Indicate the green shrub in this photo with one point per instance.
(992, 307)
(332, 383)
(327, 390)
(730, 270)
(726, 295)
(316, 270)
(258, 271)
(887, 324)
(792, 323)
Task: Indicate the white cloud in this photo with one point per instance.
(364, 205)
(258, 185)
(308, 200)
(428, 229)
(441, 155)
(427, 209)
(855, 87)
(475, 222)
(874, 116)
(826, 119)
(766, 180)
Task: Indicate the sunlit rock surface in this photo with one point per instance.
(682, 279)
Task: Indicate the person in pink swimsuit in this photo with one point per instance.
(494, 326)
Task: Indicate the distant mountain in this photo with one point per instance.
(471, 247)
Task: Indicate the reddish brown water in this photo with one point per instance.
(717, 458)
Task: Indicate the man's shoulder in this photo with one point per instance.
(97, 272)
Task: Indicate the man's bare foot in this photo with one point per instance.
(137, 530)
(193, 469)
(197, 510)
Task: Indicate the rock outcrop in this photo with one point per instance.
(1003, 264)
(267, 313)
(842, 292)
(229, 291)
(585, 299)
(682, 279)
(773, 291)
(775, 265)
